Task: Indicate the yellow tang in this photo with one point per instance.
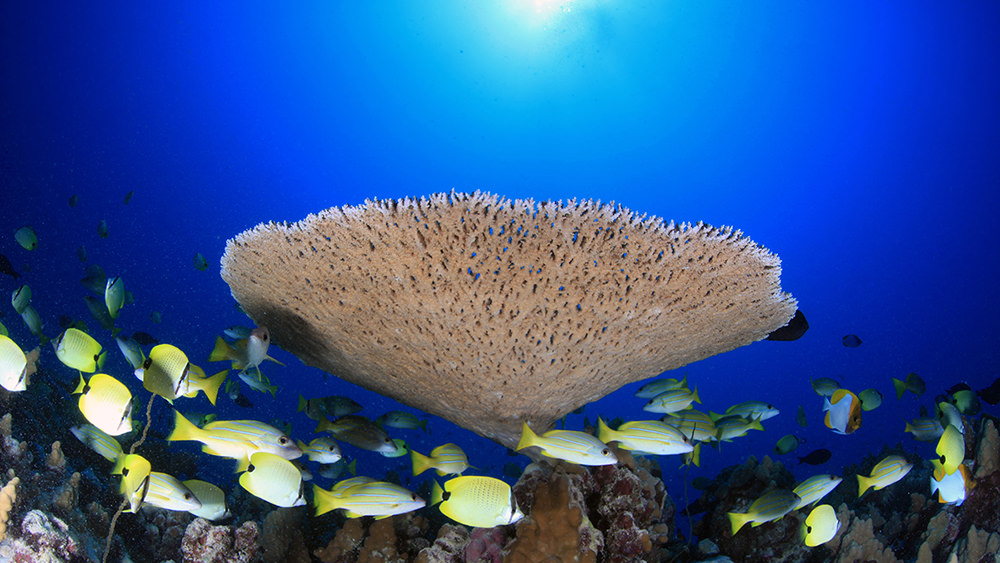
(79, 350)
(951, 449)
(820, 526)
(165, 372)
(480, 502)
(135, 471)
(274, 479)
(106, 403)
(15, 367)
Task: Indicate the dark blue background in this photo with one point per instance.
(858, 141)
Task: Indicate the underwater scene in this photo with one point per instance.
(512, 281)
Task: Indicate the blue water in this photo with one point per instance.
(857, 141)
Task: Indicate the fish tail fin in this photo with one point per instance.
(222, 351)
(694, 395)
(909, 427)
(423, 425)
(212, 384)
(604, 433)
(528, 437)
(80, 386)
(324, 500)
(738, 520)
(242, 464)
(184, 429)
(900, 387)
(302, 403)
(273, 390)
(437, 493)
(715, 416)
(273, 360)
(863, 484)
(756, 425)
(101, 358)
(323, 425)
(353, 467)
(420, 462)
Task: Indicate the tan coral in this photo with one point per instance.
(8, 496)
(56, 460)
(556, 529)
(488, 311)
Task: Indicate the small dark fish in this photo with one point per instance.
(992, 393)
(156, 317)
(579, 410)
(102, 228)
(99, 311)
(81, 253)
(817, 457)
(801, 416)
(241, 400)
(128, 197)
(7, 268)
(963, 386)
(701, 483)
(144, 339)
(73, 200)
(65, 321)
(512, 470)
(200, 262)
(852, 341)
(793, 330)
(95, 280)
(699, 506)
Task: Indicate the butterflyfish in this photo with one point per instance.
(787, 444)
(820, 526)
(212, 499)
(366, 497)
(886, 472)
(948, 413)
(99, 311)
(768, 507)
(951, 488)
(98, 441)
(167, 492)
(33, 321)
(851, 341)
(800, 417)
(871, 399)
(659, 386)
(79, 350)
(20, 298)
(321, 450)
(26, 237)
(135, 471)
(114, 295)
(672, 401)
(165, 372)
(102, 228)
(568, 445)
(813, 489)
(967, 402)
(447, 459)
(950, 449)
(15, 366)
(236, 439)
(106, 403)
(200, 262)
(649, 436)
(843, 412)
(273, 478)
(480, 502)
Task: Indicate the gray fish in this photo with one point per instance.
(334, 406)
(94, 279)
(360, 432)
(102, 228)
(128, 196)
(7, 268)
(81, 253)
(200, 263)
(73, 200)
(100, 312)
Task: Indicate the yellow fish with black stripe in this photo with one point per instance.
(447, 459)
(79, 350)
(273, 478)
(135, 471)
(106, 403)
(15, 365)
(480, 502)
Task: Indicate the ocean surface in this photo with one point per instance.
(859, 142)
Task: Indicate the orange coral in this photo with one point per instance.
(556, 529)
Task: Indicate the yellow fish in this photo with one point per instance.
(79, 350)
(106, 403)
(649, 436)
(15, 366)
(886, 472)
(770, 506)
(207, 385)
(165, 372)
(212, 499)
(480, 502)
(362, 496)
(950, 449)
(321, 450)
(843, 412)
(135, 471)
(274, 479)
(813, 489)
(246, 353)
(97, 440)
(672, 401)
(167, 492)
(447, 459)
(659, 386)
(236, 439)
(568, 445)
(950, 488)
(820, 526)
(20, 298)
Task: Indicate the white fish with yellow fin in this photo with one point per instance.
(236, 439)
(480, 502)
(673, 400)
(447, 459)
(273, 478)
(167, 492)
(321, 450)
(659, 386)
(568, 445)
(114, 295)
(950, 488)
(891, 469)
(813, 489)
(106, 403)
(843, 412)
(79, 350)
(245, 353)
(98, 441)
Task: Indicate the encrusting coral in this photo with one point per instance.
(8, 496)
(563, 303)
(207, 543)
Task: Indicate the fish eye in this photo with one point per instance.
(188, 496)
(147, 363)
(809, 529)
(282, 440)
(605, 451)
(413, 496)
(265, 336)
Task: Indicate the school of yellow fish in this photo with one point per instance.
(265, 455)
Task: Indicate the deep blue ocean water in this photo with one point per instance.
(860, 142)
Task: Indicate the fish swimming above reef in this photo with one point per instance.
(273, 478)
(871, 399)
(813, 489)
(360, 432)
(106, 403)
(15, 366)
(363, 496)
(820, 526)
(768, 507)
(647, 436)
(26, 237)
(447, 459)
(79, 350)
(321, 450)
(843, 412)
(334, 406)
(950, 488)
(891, 469)
(816, 457)
(236, 439)
(244, 354)
(568, 445)
(913, 383)
(825, 386)
(660, 386)
(925, 429)
(480, 502)
(7, 268)
(212, 500)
